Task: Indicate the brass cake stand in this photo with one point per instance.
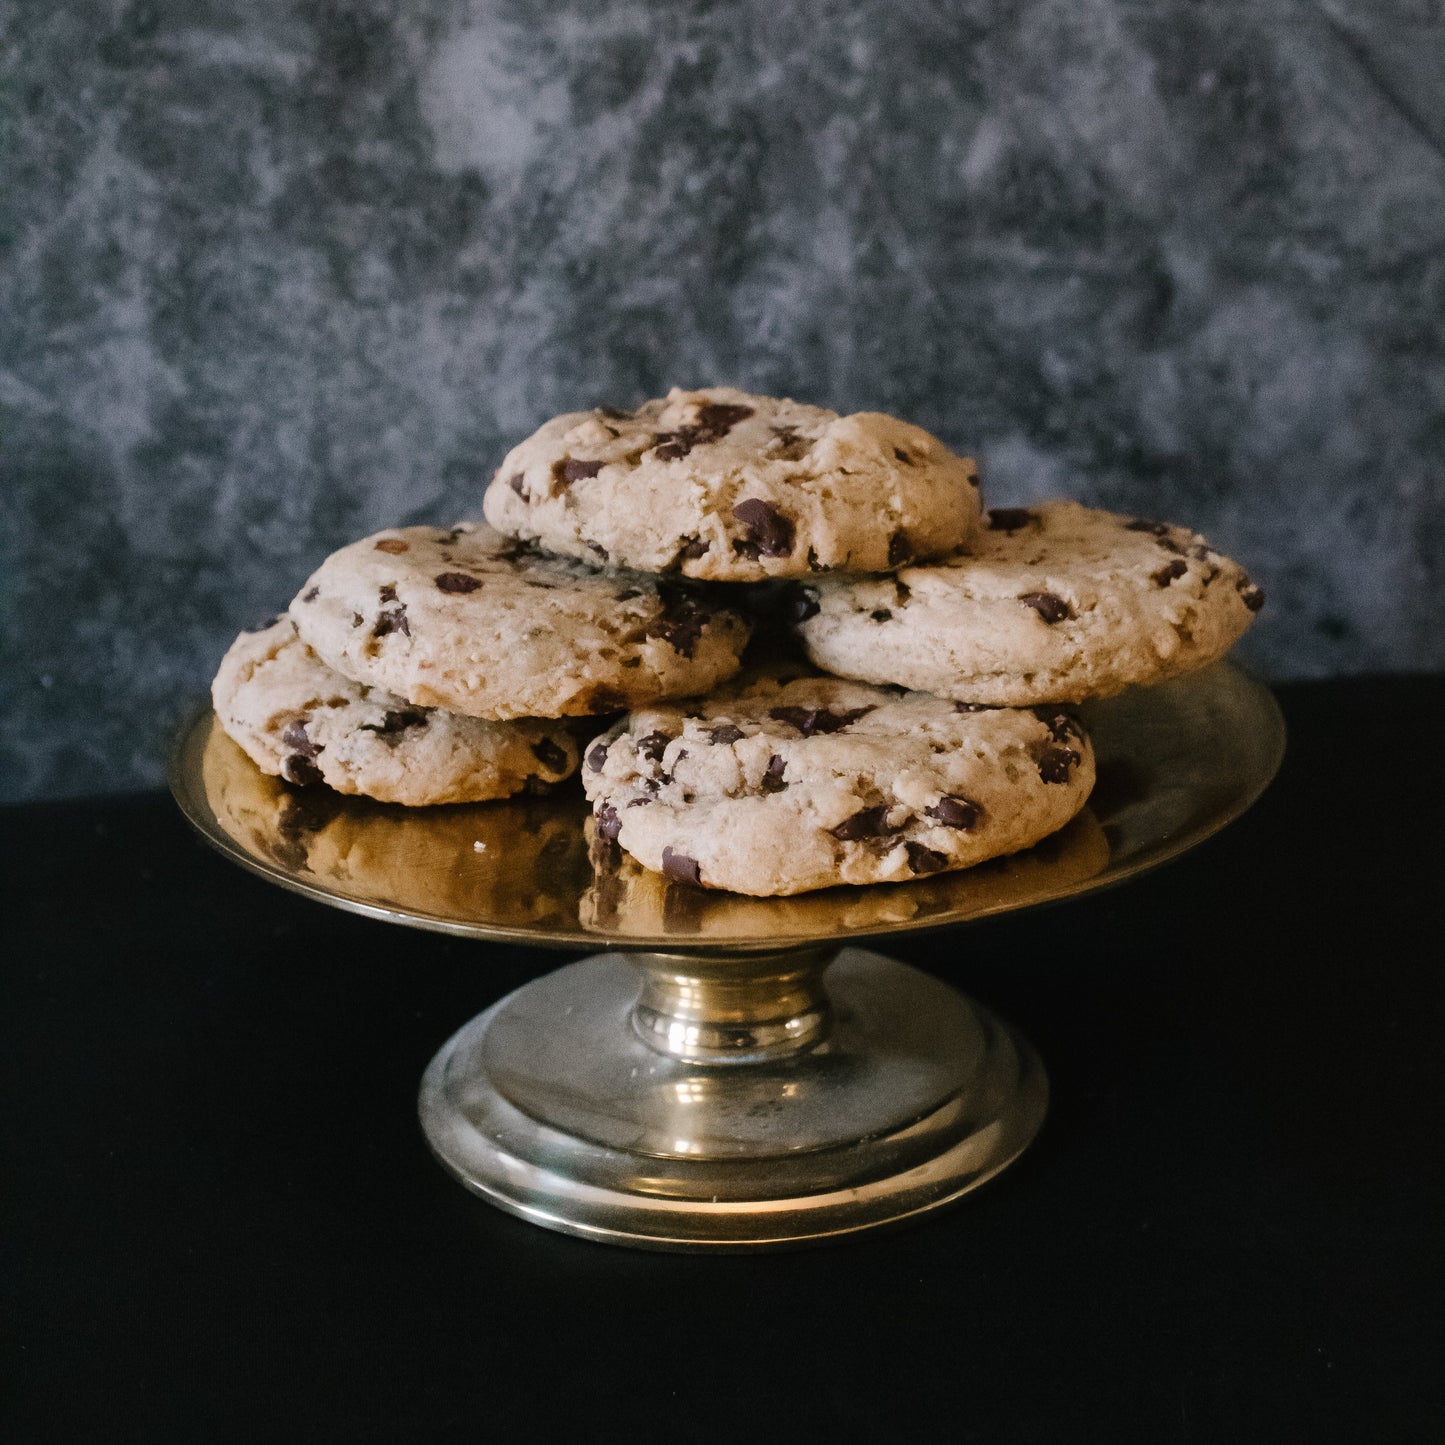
(729, 1075)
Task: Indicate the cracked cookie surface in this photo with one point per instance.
(1052, 603)
(724, 485)
(783, 784)
(478, 623)
(298, 719)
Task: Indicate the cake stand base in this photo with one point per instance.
(675, 1102)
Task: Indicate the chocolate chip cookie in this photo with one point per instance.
(781, 785)
(478, 623)
(724, 485)
(298, 719)
(1053, 603)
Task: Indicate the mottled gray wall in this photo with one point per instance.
(276, 274)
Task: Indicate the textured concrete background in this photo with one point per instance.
(276, 274)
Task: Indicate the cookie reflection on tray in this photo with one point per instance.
(627, 900)
(518, 862)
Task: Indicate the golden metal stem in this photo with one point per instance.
(733, 1010)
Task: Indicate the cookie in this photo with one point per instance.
(723, 485)
(298, 719)
(1053, 603)
(782, 786)
(477, 623)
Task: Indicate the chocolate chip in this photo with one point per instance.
(396, 722)
(552, 755)
(300, 770)
(769, 529)
(679, 867)
(653, 746)
(1009, 519)
(744, 548)
(388, 593)
(954, 812)
(868, 823)
(597, 757)
(671, 446)
(1169, 572)
(1063, 727)
(681, 624)
(799, 603)
(713, 421)
(609, 825)
(903, 456)
(294, 736)
(458, 582)
(1139, 524)
(518, 483)
(814, 565)
(881, 615)
(724, 734)
(692, 550)
(1055, 762)
(900, 550)
(1251, 596)
(393, 620)
(773, 778)
(788, 446)
(925, 860)
(811, 720)
(570, 470)
(1049, 605)
(638, 802)
(357, 619)
(311, 594)
(605, 699)
(394, 545)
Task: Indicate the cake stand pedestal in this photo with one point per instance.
(732, 1074)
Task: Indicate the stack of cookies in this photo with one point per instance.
(626, 560)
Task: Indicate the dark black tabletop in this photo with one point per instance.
(220, 1219)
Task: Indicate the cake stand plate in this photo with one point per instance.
(731, 1073)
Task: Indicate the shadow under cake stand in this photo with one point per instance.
(729, 1075)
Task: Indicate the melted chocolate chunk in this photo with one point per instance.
(1056, 762)
(653, 746)
(713, 421)
(294, 736)
(518, 483)
(724, 733)
(882, 614)
(681, 624)
(597, 757)
(311, 594)
(925, 860)
(679, 867)
(769, 529)
(388, 593)
(1063, 726)
(392, 620)
(900, 550)
(692, 550)
(570, 470)
(954, 812)
(1251, 596)
(1169, 572)
(552, 755)
(773, 781)
(799, 603)
(1049, 605)
(608, 824)
(396, 722)
(394, 545)
(811, 720)
(868, 823)
(1009, 519)
(457, 582)
(300, 770)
